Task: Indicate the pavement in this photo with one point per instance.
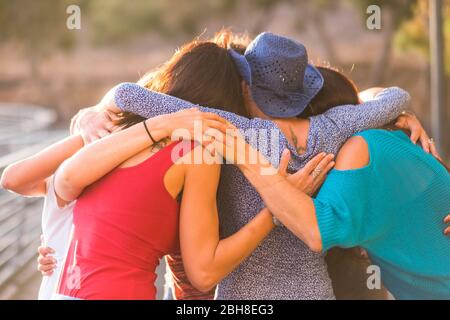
(26, 287)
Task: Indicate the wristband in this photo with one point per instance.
(149, 134)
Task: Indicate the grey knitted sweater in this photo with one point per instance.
(282, 267)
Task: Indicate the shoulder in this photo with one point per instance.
(354, 154)
(202, 175)
(198, 159)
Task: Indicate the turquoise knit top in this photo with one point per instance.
(394, 208)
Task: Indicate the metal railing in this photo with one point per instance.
(19, 234)
(24, 131)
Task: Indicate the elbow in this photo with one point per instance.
(203, 282)
(122, 95)
(204, 288)
(315, 244)
(314, 240)
(407, 96)
(8, 182)
(66, 183)
(402, 96)
(311, 237)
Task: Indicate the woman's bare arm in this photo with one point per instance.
(102, 156)
(294, 208)
(208, 259)
(28, 177)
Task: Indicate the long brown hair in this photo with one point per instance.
(337, 90)
(201, 72)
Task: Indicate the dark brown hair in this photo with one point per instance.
(337, 90)
(201, 72)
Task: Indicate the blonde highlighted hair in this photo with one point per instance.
(201, 72)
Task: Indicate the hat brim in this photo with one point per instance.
(292, 104)
(242, 65)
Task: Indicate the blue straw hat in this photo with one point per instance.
(282, 82)
(242, 66)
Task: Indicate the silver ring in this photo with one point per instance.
(431, 141)
(316, 172)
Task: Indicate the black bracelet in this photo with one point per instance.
(149, 134)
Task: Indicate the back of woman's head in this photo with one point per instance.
(201, 72)
(337, 90)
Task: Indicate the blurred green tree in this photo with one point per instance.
(314, 14)
(394, 13)
(117, 20)
(39, 26)
(266, 9)
(413, 34)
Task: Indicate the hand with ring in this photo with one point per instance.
(409, 121)
(312, 175)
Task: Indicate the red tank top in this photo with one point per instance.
(123, 224)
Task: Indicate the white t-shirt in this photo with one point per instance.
(56, 228)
